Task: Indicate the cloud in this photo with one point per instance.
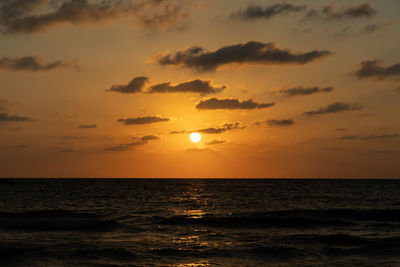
(226, 127)
(136, 85)
(380, 137)
(252, 52)
(253, 12)
(143, 120)
(171, 17)
(348, 137)
(216, 103)
(178, 132)
(144, 140)
(341, 129)
(34, 64)
(87, 126)
(279, 123)
(350, 12)
(295, 91)
(216, 142)
(374, 69)
(195, 86)
(147, 138)
(5, 117)
(333, 108)
(30, 16)
(371, 28)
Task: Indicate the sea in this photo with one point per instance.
(199, 222)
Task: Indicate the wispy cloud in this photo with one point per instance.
(143, 120)
(30, 16)
(365, 10)
(5, 117)
(280, 123)
(253, 12)
(33, 64)
(300, 90)
(144, 140)
(87, 126)
(226, 127)
(333, 108)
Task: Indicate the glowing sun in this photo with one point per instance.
(195, 137)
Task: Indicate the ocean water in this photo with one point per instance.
(188, 222)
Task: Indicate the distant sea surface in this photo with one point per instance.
(189, 222)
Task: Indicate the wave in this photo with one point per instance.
(56, 220)
(282, 253)
(297, 219)
(341, 240)
(255, 222)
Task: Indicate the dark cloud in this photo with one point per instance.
(333, 108)
(253, 12)
(348, 137)
(136, 85)
(295, 91)
(178, 132)
(32, 63)
(278, 123)
(143, 120)
(29, 16)
(380, 137)
(147, 138)
(216, 142)
(5, 117)
(144, 140)
(195, 86)
(87, 126)
(351, 12)
(226, 127)
(374, 69)
(216, 103)
(249, 53)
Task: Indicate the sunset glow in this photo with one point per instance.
(275, 89)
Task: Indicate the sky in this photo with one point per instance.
(277, 89)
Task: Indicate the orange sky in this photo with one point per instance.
(277, 89)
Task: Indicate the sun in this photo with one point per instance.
(195, 137)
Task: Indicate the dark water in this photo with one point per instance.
(87, 222)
